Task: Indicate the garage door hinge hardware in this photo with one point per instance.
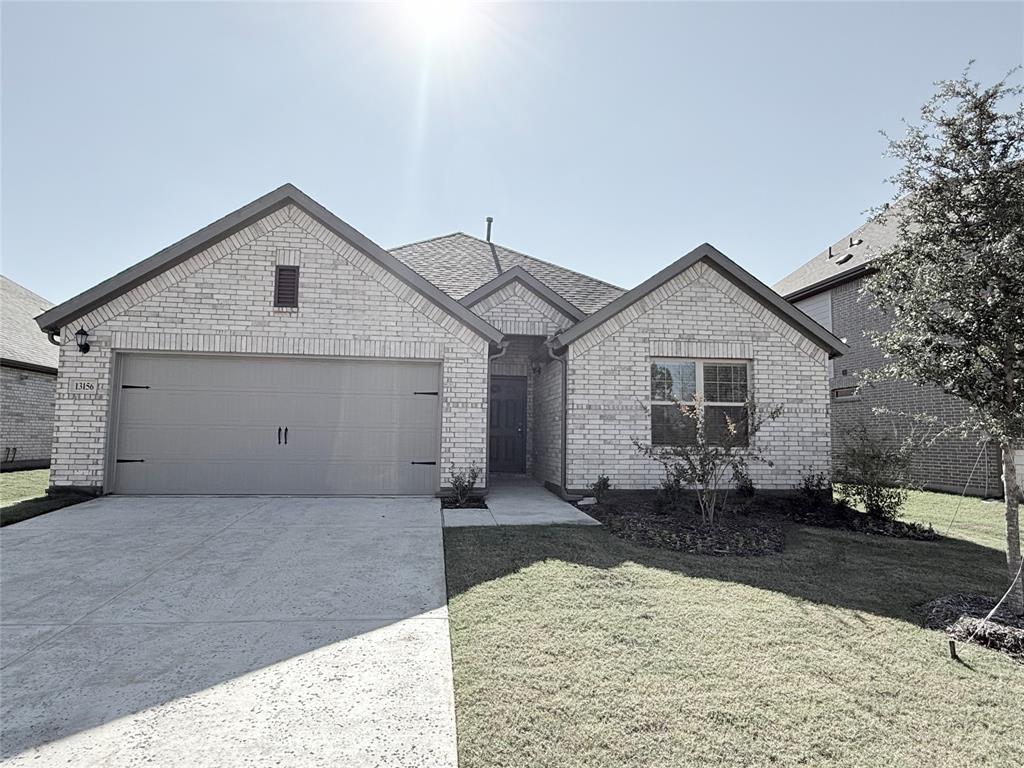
(426, 393)
(429, 463)
(131, 461)
(134, 386)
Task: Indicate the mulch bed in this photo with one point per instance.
(961, 617)
(645, 521)
(449, 502)
(838, 515)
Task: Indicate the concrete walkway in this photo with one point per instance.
(519, 502)
(227, 631)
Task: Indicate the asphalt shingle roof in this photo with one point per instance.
(20, 337)
(875, 237)
(459, 263)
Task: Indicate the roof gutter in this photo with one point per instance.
(8, 363)
(53, 319)
(828, 282)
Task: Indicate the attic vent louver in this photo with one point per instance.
(286, 286)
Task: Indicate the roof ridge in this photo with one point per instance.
(548, 263)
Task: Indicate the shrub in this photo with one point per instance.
(744, 485)
(463, 483)
(814, 489)
(874, 473)
(705, 464)
(600, 487)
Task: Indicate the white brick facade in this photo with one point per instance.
(699, 313)
(515, 309)
(221, 300)
(216, 296)
(26, 416)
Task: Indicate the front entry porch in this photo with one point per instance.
(524, 405)
(518, 501)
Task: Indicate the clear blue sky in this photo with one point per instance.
(608, 138)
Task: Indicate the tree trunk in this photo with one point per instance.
(1011, 489)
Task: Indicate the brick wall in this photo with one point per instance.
(548, 418)
(220, 300)
(948, 463)
(26, 417)
(515, 309)
(699, 313)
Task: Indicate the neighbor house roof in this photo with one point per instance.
(286, 194)
(732, 271)
(843, 260)
(20, 339)
(458, 264)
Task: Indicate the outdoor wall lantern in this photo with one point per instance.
(82, 339)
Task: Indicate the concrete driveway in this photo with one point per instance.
(227, 631)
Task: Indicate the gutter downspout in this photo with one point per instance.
(565, 407)
(504, 348)
(50, 335)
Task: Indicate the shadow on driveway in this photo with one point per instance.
(220, 631)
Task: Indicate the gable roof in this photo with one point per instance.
(458, 264)
(287, 194)
(730, 269)
(520, 275)
(20, 339)
(843, 260)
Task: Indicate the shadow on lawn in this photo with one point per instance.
(872, 574)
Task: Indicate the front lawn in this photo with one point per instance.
(23, 495)
(573, 647)
(25, 484)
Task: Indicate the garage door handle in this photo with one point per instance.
(286, 435)
(278, 435)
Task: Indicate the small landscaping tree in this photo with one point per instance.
(953, 281)
(712, 463)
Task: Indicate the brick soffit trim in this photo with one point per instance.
(61, 315)
(731, 270)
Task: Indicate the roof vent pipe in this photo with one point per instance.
(490, 220)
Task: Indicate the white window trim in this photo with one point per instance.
(699, 374)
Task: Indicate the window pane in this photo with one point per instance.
(725, 382)
(669, 426)
(717, 421)
(673, 381)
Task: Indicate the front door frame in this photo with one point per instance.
(521, 470)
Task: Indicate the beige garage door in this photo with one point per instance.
(241, 425)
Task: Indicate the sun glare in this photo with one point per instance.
(439, 21)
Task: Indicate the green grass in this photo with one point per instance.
(27, 484)
(574, 648)
(23, 496)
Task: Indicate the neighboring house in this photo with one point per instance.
(829, 288)
(278, 350)
(28, 377)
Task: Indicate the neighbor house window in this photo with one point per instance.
(286, 287)
(722, 387)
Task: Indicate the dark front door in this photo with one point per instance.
(508, 424)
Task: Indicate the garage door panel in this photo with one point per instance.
(205, 424)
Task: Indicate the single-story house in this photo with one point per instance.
(279, 350)
(831, 289)
(28, 378)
